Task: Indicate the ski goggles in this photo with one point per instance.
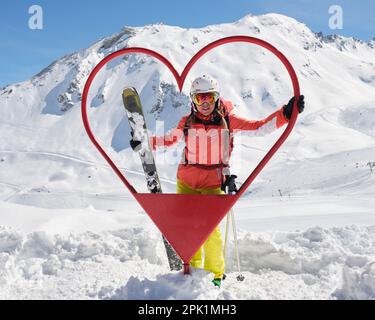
(209, 97)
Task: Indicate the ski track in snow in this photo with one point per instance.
(24, 190)
(74, 159)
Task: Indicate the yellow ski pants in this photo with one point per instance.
(213, 247)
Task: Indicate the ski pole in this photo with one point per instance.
(226, 237)
(230, 188)
(240, 277)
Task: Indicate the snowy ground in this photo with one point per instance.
(324, 249)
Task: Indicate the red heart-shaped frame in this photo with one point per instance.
(187, 220)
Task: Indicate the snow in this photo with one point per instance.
(61, 261)
(306, 226)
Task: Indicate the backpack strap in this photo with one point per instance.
(222, 117)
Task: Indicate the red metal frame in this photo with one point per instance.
(180, 217)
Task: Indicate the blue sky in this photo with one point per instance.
(71, 25)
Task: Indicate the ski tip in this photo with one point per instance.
(129, 91)
(132, 101)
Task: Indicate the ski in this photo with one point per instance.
(134, 112)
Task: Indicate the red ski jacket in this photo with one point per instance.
(208, 146)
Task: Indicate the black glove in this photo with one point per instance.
(289, 107)
(230, 183)
(135, 145)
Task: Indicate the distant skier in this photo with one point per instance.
(208, 134)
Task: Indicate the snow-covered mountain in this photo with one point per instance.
(47, 160)
(40, 118)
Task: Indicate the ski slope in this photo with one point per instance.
(70, 230)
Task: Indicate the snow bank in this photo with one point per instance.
(317, 263)
(60, 266)
(358, 283)
(169, 286)
(312, 251)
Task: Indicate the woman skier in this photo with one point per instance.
(208, 134)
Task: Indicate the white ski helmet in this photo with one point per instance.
(203, 84)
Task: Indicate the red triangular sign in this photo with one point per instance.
(186, 220)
